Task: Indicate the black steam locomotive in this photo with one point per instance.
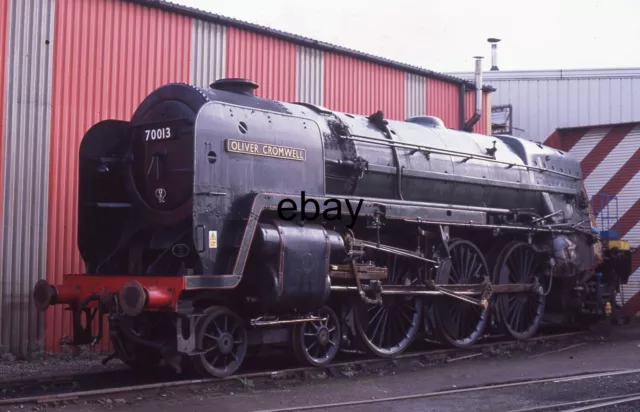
(215, 220)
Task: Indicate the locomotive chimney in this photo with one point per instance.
(494, 53)
(240, 86)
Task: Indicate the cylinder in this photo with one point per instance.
(267, 240)
(336, 246)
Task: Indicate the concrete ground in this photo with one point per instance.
(605, 350)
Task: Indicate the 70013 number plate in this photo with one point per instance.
(158, 133)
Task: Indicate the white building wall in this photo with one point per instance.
(545, 100)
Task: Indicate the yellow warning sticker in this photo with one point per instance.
(213, 239)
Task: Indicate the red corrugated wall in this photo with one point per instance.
(269, 62)
(4, 36)
(359, 87)
(108, 56)
(470, 107)
(442, 102)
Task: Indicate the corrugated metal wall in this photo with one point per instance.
(610, 159)
(470, 107)
(108, 56)
(545, 100)
(416, 92)
(72, 63)
(267, 61)
(487, 115)
(5, 305)
(443, 102)
(209, 53)
(26, 161)
(360, 87)
(310, 76)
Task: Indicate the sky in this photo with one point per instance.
(444, 35)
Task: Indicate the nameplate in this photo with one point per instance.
(264, 149)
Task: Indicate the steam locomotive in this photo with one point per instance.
(215, 220)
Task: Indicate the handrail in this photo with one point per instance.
(421, 148)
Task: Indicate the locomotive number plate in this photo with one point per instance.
(158, 133)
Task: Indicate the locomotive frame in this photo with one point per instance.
(449, 281)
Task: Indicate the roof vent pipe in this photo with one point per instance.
(478, 112)
(494, 53)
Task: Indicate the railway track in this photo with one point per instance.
(586, 405)
(64, 388)
(574, 406)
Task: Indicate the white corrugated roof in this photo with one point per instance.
(613, 73)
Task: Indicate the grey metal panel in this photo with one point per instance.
(540, 105)
(26, 180)
(415, 95)
(208, 52)
(310, 76)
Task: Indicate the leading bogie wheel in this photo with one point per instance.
(316, 343)
(139, 358)
(143, 360)
(520, 313)
(462, 324)
(221, 335)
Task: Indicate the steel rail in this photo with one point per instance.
(452, 392)
(64, 396)
(620, 398)
(65, 377)
(632, 398)
(61, 378)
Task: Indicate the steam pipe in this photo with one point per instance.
(494, 53)
(478, 86)
(478, 112)
(494, 57)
